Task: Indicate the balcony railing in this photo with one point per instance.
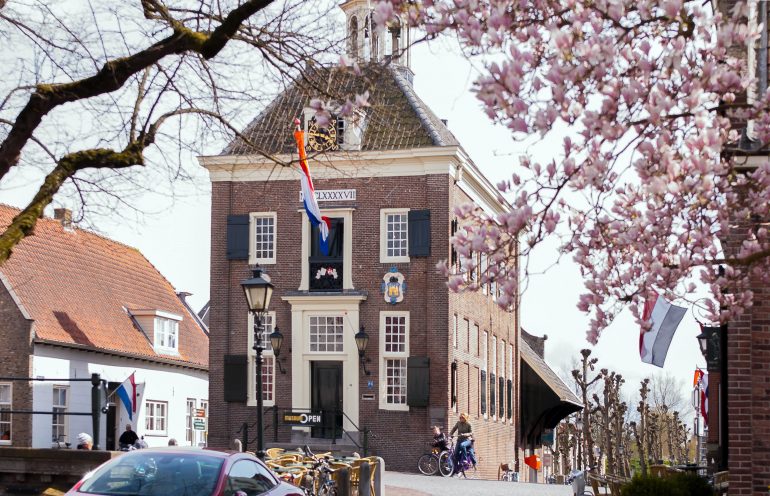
(326, 275)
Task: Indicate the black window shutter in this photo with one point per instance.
(237, 237)
(492, 404)
(236, 378)
(453, 255)
(483, 392)
(501, 398)
(510, 398)
(419, 233)
(417, 381)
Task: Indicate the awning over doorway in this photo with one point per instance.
(545, 400)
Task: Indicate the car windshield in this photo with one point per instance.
(156, 474)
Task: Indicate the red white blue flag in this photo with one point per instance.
(663, 318)
(127, 394)
(308, 192)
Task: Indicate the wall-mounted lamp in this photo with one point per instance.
(276, 340)
(362, 340)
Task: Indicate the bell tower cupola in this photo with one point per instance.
(367, 42)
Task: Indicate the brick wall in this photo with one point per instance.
(399, 437)
(748, 370)
(15, 355)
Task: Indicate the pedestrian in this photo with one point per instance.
(172, 442)
(140, 443)
(85, 441)
(128, 438)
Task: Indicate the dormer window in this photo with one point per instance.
(166, 334)
(160, 327)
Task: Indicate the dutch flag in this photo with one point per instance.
(127, 394)
(664, 318)
(308, 192)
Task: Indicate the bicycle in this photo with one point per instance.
(437, 461)
(466, 463)
(320, 482)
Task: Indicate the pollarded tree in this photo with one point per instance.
(637, 99)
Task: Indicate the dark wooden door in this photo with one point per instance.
(326, 386)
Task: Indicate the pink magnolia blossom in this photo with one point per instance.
(647, 91)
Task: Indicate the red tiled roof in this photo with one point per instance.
(77, 287)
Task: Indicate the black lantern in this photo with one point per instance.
(258, 291)
(276, 340)
(710, 345)
(362, 340)
(703, 341)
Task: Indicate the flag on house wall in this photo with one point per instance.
(704, 398)
(308, 192)
(664, 318)
(697, 377)
(127, 392)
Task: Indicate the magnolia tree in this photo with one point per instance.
(636, 98)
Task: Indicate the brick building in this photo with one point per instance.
(389, 178)
(73, 303)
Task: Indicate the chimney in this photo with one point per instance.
(63, 215)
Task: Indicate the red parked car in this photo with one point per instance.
(183, 472)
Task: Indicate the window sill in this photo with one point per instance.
(265, 403)
(262, 261)
(166, 351)
(395, 408)
(392, 260)
(6, 443)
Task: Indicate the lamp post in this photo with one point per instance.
(258, 291)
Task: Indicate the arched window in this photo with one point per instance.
(370, 33)
(353, 37)
(395, 39)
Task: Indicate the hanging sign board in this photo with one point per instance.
(199, 424)
(296, 418)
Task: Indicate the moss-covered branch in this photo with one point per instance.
(114, 74)
(24, 223)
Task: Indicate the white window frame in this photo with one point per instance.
(189, 434)
(484, 356)
(384, 258)
(160, 347)
(253, 260)
(63, 408)
(9, 406)
(309, 333)
(267, 327)
(147, 417)
(385, 356)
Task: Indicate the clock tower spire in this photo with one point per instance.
(367, 42)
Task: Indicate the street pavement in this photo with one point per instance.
(400, 484)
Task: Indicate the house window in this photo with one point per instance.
(474, 349)
(268, 365)
(263, 233)
(465, 336)
(166, 334)
(58, 419)
(454, 331)
(394, 350)
(326, 334)
(189, 432)
(394, 235)
(5, 418)
(155, 417)
(483, 395)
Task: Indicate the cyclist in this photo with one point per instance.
(464, 441)
(439, 439)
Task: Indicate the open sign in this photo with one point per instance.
(297, 418)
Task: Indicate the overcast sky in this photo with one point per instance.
(177, 241)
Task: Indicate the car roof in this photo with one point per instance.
(192, 450)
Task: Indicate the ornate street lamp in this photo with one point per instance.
(276, 340)
(362, 340)
(258, 291)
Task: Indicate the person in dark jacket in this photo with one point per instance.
(128, 438)
(439, 439)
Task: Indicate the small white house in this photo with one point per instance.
(72, 304)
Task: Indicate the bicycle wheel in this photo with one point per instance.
(327, 490)
(428, 464)
(445, 463)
